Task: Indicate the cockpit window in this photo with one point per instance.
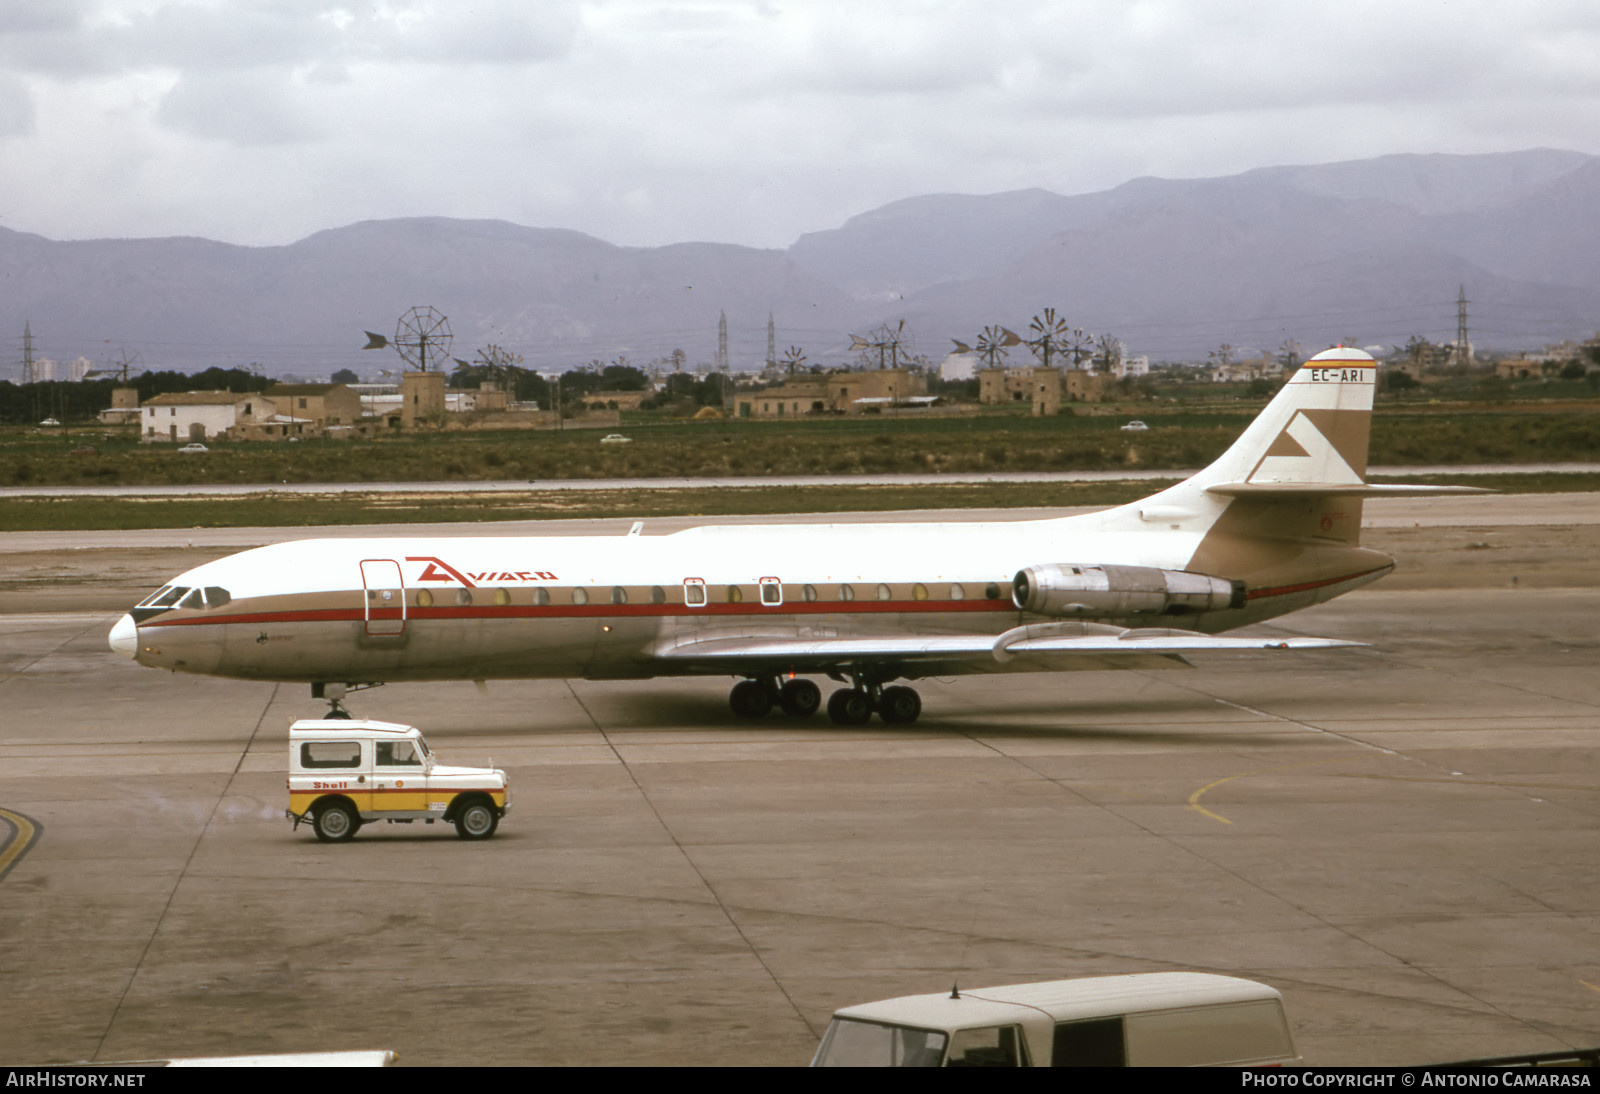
(165, 597)
(216, 596)
(195, 599)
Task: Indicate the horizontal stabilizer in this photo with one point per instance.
(1340, 489)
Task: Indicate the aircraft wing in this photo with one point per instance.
(1059, 644)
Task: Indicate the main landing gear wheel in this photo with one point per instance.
(476, 821)
(850, 707)
(799, 698)
(335, 822)
(899, 706)
(750, 699)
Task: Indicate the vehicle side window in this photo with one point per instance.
(1097, 1042)
(398, 754)
(315, 755)
(994, 1046)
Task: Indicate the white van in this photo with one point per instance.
(1159, 1019)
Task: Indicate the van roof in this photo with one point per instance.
(1062, 1000)
(349, 727)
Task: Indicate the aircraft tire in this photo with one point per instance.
(750, 699)
(335, 822)
(800, 698)
(476, 820)
(850, 707)
(899, 706)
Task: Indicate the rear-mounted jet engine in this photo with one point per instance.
(1069, 590)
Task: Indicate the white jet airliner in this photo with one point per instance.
(1270, 527)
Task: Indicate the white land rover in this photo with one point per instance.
(344, 773)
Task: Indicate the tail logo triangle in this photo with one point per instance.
(1302, 453)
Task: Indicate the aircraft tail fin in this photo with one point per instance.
(1299, 468)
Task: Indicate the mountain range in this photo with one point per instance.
(1371, 251)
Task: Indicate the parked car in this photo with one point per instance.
(194, 448)
(1153, 1019)
(615, 438)
(1135, 426)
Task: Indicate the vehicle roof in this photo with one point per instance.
(349, 727)
(1062, 1000)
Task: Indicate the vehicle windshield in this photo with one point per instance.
(851, 1043)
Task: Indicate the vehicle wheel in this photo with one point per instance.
(750, 699)
(476, 821)
(899, 706)
(800, 698)
(850, 707)
(335, 822)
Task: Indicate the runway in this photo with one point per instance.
(1400, 838)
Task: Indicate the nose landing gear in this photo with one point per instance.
(333, 694)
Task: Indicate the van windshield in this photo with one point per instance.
(851, 1043)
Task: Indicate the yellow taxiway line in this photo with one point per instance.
(23, 834)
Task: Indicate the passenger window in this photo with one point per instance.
(619, 595)
(541, 597)
(502, 597)
(579, 596)
(991, 591)
(996, 1046)
(1097, 1042)
(884, 593)
(957, 592)
(658, 595)
(315, 755)
(424, 598)
(919, 591)
(846, 592)
(694, 592)
(771, 591)
(810, 592)
(463, 597)
(735, 595)
(398, 754)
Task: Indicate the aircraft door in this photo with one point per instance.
(385, 596)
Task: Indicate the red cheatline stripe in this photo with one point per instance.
(753, 609)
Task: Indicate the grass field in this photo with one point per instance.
(311, 510)
(1468, 433)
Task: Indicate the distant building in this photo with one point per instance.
(325, 404)
(421, 397)
(836, 393)
(124, 407)
(1043, 389)
(188, 416)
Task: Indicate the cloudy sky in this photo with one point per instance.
(655, 121)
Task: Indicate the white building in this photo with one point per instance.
(182, 417)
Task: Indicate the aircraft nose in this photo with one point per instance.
(124, 638)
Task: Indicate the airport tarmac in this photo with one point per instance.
(1400, 837)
